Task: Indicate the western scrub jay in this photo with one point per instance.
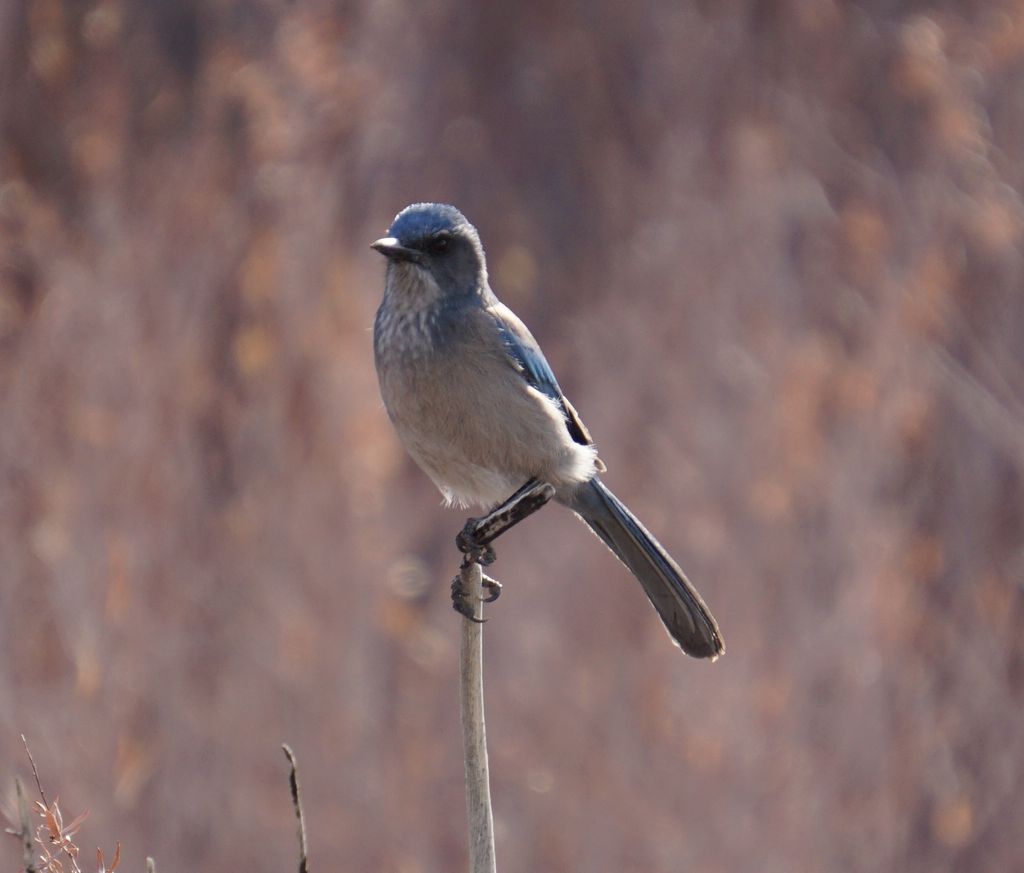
(477, 407)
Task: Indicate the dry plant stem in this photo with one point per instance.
(35, 772)
(474, 736)
(28, 854)
(293, 782)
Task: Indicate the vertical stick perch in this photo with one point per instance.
(474, 736)
(293, 782)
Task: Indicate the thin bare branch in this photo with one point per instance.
(28, 853)
(293, 781)
(474, 735)
(35, 772)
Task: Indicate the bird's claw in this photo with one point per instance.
(493, 588)
(483, 555)
(460, 596)
(460, 601)
(474, 551)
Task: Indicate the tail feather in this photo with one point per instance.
(681, 608)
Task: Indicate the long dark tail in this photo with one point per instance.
(686, 617)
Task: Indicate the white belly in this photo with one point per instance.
(480, 431)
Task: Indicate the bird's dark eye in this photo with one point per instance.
(439, 244)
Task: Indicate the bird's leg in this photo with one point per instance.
(475, 538)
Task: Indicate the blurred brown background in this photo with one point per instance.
(772, 248)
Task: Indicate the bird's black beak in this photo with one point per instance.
(393, 250)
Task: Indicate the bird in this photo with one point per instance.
(477, 407)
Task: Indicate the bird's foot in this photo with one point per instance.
(475, 552)
(461, 600)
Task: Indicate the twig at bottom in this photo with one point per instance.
(28, 849)
(293, 782)
(474, 735)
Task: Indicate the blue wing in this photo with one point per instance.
(529, 359)
(526, 356)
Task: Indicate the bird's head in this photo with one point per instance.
(432, 241)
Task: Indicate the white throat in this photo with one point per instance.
(410, 288)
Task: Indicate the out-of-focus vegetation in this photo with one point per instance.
(774, 251)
